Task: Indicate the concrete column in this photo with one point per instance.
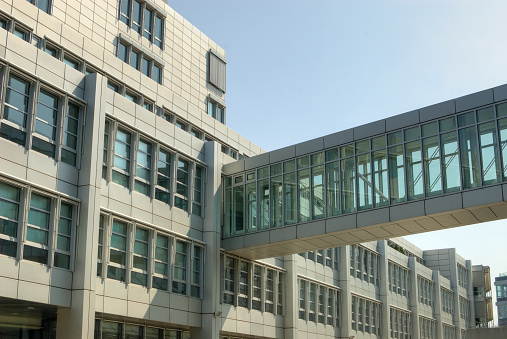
(291, 297)
(384, 288)
(453, 268)
(78, 321)
(414, 296)
(346, 298)
(211, 322)
(437, 312)
(470, 294)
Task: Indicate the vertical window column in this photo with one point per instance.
(161, 265)
(142, 183)
(117, 266)
(62, 254)
(45, 136)
(139, 273)
(38, 229)
(122, 156)
(10, 198)
(182, 177)
(196, 272)
(180, 267)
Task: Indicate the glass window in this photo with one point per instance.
(348, 182)
(70, 137)
(116, 268)
(256, 288)
(229, 285)
(197, 204)
(37, 232)
(333, 188)
(142, 183)
(45, 124)
(302, 299)
(21, 33)
(146, 67)
(396, 174)
(163, 188)
(270, 287)
(9, 217)
(157, 73)
(160, 271)
(123, 52)
(63, 241)
(276, 201)
(70, 61)
(181, 196)
(16, 110)
(489, 147)
(148, 24)
(159, 31)
(125, 11)
(137, 15)
(51, 50)
(469, 157)
(432, 176)
(121, 170)
(100, 249)
(364, 176)
(135, 59)
(139, 273)
(180, 268)
(196, 272)
(413, 158)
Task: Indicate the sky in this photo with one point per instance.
(298, 70)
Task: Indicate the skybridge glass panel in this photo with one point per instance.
(396, 174)
(304, 195)
(348, 180)
(380, 178)
(276, 201)
(413, 161)
(364, 182)
(289, 198)
(432, 175)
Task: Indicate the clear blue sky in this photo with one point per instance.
(297, 70)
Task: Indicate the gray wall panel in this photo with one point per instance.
(407, 211)
(443, 204)
(373, 217)
(339, 138)
(258, 160)
(343, 223)
(482, 196)
(309, 146)
(402, 120)
(500, 93)
(373, 128)
(474, 100)
(437, 110)
(282, 154)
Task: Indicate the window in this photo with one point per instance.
(180, 268)
(113, 86)
(160, 274)
(229, 283)
(9, 218)
(71, 61)
(139, 60)
(21, 32)
(302, 299)
(181, 196)
(142, 182)
(270, 294)
(121, 169)
(180, 124)
(148, 105)
(100, 249)
(45, 124)
(366, 315)
(197, 204)
(44, 5)
(132, 96)
(195, 133)
(398, 278)
(243, 294)
(109, 329)
(16, 110)
(148, 24)
(137, 15)
(279, 300)
(216, 111)
(117, 266)
(139, 273)
(196, 272)
(37, 233)
(162, 190)
(217, 70)
(257, 292)
(400, 323)
(105, 152)
(71, 135)
(159, 31)
(62, 253)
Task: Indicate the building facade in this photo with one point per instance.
(501, 298)
(113, 140)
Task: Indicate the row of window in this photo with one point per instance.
(426, 291)
(464, 308)
(329, 257)
(36, 225)
(144, 20)
(319, 303)
(139, 60)
(447, 299)
(427, 328)
(404, 251)
(134, 253)
(364, 264)
(138, 163)
(366, 315)
(452, 154)
(39, 118)
(105, 329)
(400, 322)
(462, 276)
(399, 279)
(253, 286)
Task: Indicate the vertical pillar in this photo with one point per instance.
(211, 322)
(414, 296)
(292, 297)
(438, 304)
(470, 294)
(384, 290)
(346, 298)
(453, 268)
(78, 321)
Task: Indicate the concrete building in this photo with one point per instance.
(501, 298)
(128, 209)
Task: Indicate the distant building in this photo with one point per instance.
(481, 281)
(501, 298)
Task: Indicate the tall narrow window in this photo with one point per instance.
(37, 233)
(63, 240)
(45, 124)
(161, 275)
(257, 292)
(196, 272)
(136, 17)
(16, 110)
(135, 59)
(330, 307)
(9, 218)
(279, 301)
(312, 308)
(197, 204)
(181, 197)
(270, 288)
(229, 285)
(143, 170)
(123, 52)
(121, 170)
(180, 267)
(159, 31)
(243, 292)
(100, 249)
(105, 152)
(163, 188)
(118, 251)
(364, 182)
(302, 299)
(139, 273)
(396, 174)
(125, 11)
(321, 309)
(70, 137)
(148, 24)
